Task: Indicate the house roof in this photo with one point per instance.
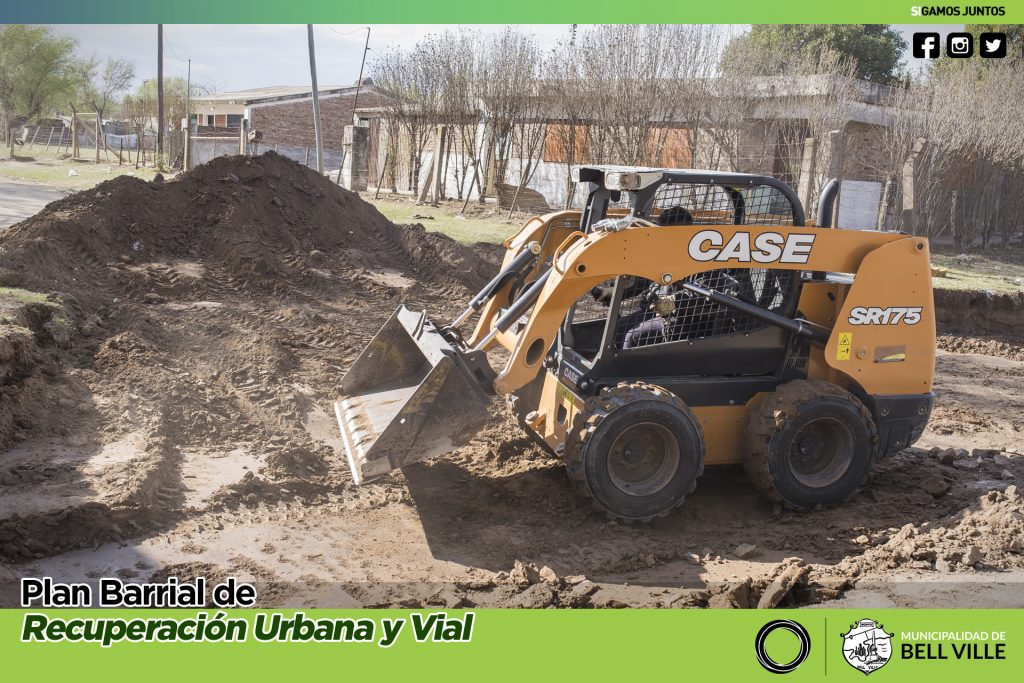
(277, 93)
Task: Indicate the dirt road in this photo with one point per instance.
(18, 201)
(180, 423)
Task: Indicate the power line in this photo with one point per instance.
(171, 48)
(358, 30)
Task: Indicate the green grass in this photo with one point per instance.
(12, 298)
(993, 270)
(467, 229)
(37, 165)
(23, 296)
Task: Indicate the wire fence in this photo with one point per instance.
(304, 155)
(44, 137)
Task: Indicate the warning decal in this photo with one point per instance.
(843, 345)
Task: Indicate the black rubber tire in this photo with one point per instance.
(791, 412)
(608, 416)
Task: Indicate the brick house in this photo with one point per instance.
(284, 114)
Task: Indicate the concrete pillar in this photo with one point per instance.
(807, 181)
(355, 169)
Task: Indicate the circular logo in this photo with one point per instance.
(786, 625)
(866, 646)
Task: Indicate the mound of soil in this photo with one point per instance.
(988, 534)
(168, 389)
(33, 330)
(264, 223)
(206, 324)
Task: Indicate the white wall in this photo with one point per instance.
(858, 204)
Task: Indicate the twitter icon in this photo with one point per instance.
(992, 45)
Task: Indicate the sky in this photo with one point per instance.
(238, 57)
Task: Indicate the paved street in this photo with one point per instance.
(18, 201)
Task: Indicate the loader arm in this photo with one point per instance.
(549, 231)
(891, 269)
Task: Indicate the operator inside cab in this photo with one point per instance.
(639, 328)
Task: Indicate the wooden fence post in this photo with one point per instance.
(439, 155)
(383, 170)
(49, 138)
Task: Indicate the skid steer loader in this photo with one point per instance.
(680, 319)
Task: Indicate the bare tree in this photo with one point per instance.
(569, 98)
(449, 58)
(506, 80)
(768, 101)
(106, 84)
(414, 93)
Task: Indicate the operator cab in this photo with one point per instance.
(632, 327)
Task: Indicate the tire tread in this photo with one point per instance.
(597, 408)
(783, 404)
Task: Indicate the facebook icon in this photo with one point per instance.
(926, 45)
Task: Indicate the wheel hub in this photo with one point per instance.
(643, 459)
(821, 451)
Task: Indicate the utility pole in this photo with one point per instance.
(160, 96)
(359, 83)
(188, 97)
(188, 115)
(355, 104)
(316, 102)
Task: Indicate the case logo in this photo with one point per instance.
(766, 247)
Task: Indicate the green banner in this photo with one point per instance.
(523, 11)
(829, 644)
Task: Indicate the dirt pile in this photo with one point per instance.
(1004, 347)
(205, 324)
(988, 535)
(264, 224)
(168, 384)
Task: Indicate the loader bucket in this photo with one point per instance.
(408, 397)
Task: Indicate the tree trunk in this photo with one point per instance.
(8, 136)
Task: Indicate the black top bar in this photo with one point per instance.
(596, 174)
